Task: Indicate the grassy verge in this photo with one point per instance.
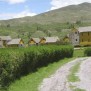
(72, 76)
(79, 52)
(32, 81)
(78, 89)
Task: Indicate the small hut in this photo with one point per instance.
(49, 40)
(16, 43)
(5, 40)
(34, 41)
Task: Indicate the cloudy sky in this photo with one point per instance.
(20, 8)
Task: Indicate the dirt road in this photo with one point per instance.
(59, 80)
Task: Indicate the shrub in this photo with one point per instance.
(87, 52)
(17, 62)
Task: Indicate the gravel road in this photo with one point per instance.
(59, 82)
(84, 75)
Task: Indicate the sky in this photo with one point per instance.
(20, 8)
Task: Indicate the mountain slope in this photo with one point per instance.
(48, 22)
(70, 13)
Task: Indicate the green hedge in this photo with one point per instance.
(87, 52)
(17, 62)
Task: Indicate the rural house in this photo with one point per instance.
(74, 37)
(81, 36)
(34, 41)
(5, 40)
(49, 40)
(85, 35)
(16, 43)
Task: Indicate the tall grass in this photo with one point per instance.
(17, 62)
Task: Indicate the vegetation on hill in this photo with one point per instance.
(50, 23)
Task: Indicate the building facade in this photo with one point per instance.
(74, 37)
(81, 36)
(85, 37)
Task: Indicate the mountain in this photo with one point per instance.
(70, 13)
(65, 14)
(47, 22)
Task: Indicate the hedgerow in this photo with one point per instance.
(87, 52)
(16, 62)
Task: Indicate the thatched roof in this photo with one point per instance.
(84, 29)
(5, 38)
(51, 39)
(14, 41)
(36, 40)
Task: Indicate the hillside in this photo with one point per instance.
(70, 13)
(49, 23)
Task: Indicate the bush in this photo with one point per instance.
(87, 52)
(17, 62)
